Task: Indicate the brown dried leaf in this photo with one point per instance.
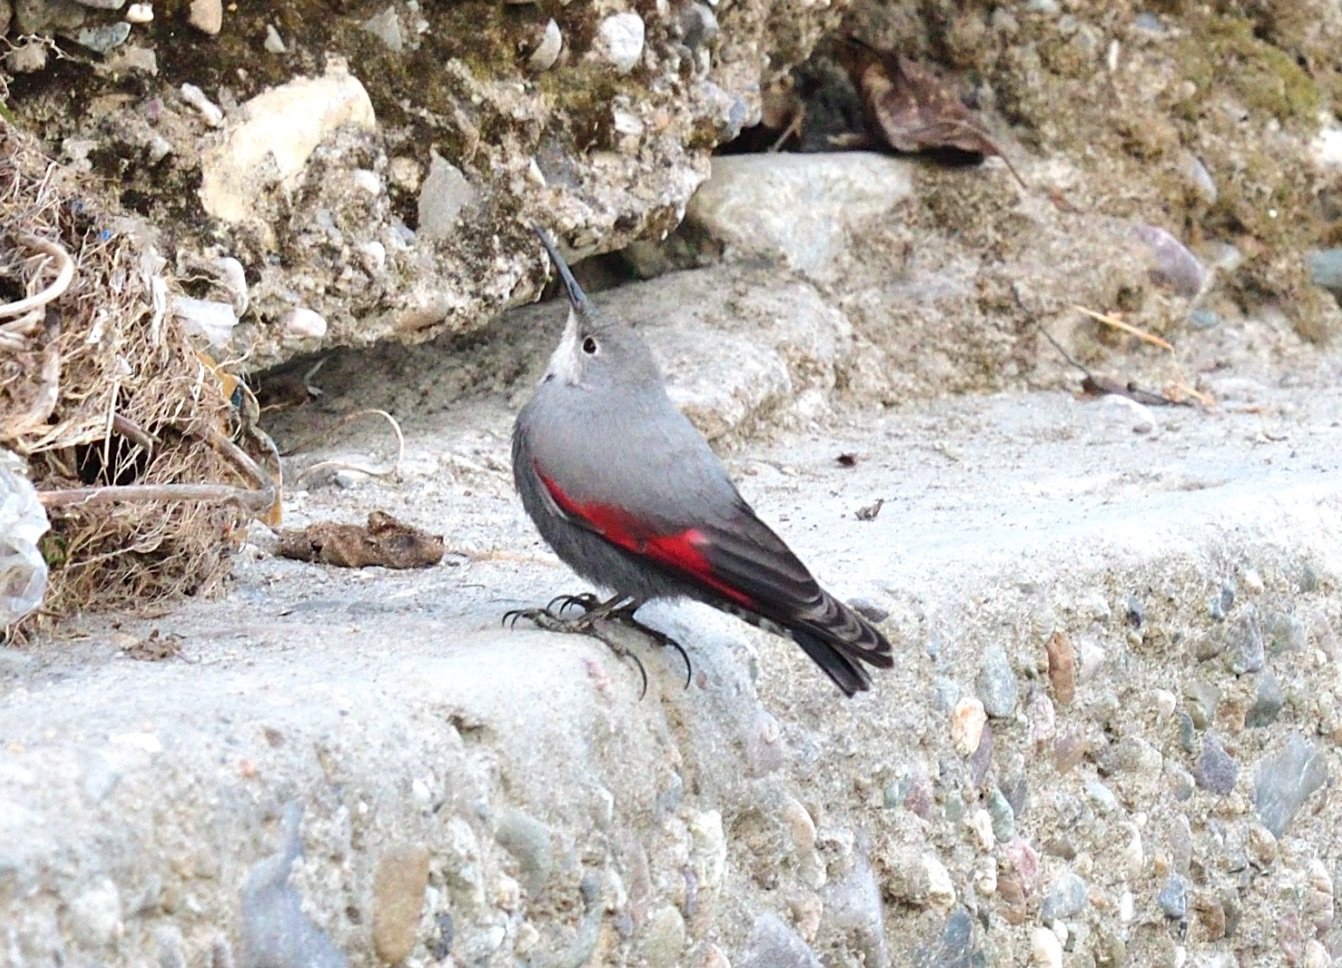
(383, 541)
(910, 110)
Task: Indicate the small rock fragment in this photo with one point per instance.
(301, 323)
(620, 40)
(1061, 667)
(997, 687)
(211, 112)
(1285, 780)
(207, 16)
(1045, 948)
(1172, 264)
(443, 195)
(273, 43)
(207, 318)
(528, 840)
(277, 132)
(547, 50)
(967, 721)
(399, 881)
(1215, 770)
(1066, 898)
(104, 37)
(1268, 700)
(1173, 898)
(1246, 649)
(772, 944)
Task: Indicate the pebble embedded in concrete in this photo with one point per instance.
(398, 899)
(620, 40)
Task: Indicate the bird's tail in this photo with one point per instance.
(838, 639)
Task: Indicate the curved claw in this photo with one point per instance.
(643, 672)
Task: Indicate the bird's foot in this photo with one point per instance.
(585, 624)
(585, 601)
(625, 616)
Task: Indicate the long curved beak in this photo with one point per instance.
(576, 297)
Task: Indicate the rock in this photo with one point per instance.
(1325, 267)
(1285, 633)
(104, 37)
(398, 899)
(997, 687)
(1066, 898)
(854, 915)
(300, 323)
(275, 930)
(795, 206)
(967, 721)
(619, 41)
(95, 915)
(1045, 948)
(528, 840)
(1003, 815)
(548, 48)
(1061, 667)
(772, 944)
(212, 321)
(1268, 700)
(207, 16)
(1202, 700)
(1215, 770)
(1245, 645)
(954, 948)
(443, 195)
(1172, 264)
(276, 133)
(1284, 780)
(1173, 898)
(663, 938)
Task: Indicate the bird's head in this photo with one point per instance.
(597, 352)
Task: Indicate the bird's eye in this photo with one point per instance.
(589, 346)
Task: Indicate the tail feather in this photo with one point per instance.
(837, 639)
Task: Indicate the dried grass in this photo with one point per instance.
(125, 428)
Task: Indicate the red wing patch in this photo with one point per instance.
(680, 552)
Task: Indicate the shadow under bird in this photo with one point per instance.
(628, 493)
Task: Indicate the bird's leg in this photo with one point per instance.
(624, 614)
(594, 611)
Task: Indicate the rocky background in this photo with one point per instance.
(1113, 730)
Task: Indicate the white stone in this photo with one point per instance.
(207, 16)
(967, 721)
(207, 318)
(798, 206)
(1045, 948)
(443, 195)
(96, 915)
(547, 51)
(940, 887)
(278, 131)
(145, 742)
(620, 40)
(211, 112)
(386, 27)
(302, 323)
(273, 43)
(140, 13)
(1327, 148)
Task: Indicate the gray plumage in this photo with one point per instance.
(628, 493)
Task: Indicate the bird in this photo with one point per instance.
(628, 493)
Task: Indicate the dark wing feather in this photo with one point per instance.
(745, 554)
